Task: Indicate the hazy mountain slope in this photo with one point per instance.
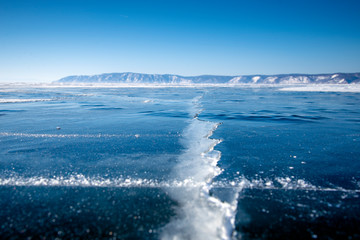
(336, 78)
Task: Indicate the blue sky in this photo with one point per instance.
(47, 40)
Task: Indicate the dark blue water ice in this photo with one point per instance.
(186, 163)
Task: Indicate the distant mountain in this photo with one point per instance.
(140, 78)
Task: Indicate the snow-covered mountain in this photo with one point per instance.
(132, 78)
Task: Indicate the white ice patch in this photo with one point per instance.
(45, 135)
(279, 183)
(19, 100)
(99, 135)
(80, 180)
(324, 88)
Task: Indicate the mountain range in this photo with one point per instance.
(141, 78)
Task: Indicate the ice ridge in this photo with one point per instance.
(200, 215)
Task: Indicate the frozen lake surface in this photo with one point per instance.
(179, 163)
